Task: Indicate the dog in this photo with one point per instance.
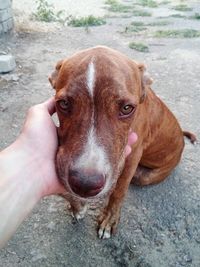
(101, 95)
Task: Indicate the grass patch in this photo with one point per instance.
(139, 47)
(111, 2)
(147, 3)
(120, 8)
(87, 21)
(141, 13)
(195, 16)
(182, 7)
(45, 12)
(133, 28)
(138, 23)
(155, 23)
(115, 6)
(179, 16)
(138, 26)
(158, 23)
(185, 33)
(165, 2)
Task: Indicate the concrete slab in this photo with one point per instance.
(7, 63)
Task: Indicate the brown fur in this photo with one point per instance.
(119, 80)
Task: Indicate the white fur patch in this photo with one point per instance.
(91, 77)
(104, 233)
(93, 156)
(80, 215)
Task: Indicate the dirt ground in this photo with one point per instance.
(160, 225)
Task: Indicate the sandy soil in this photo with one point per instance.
(160, 225)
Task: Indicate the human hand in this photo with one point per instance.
(132, 139)
(39, 141)
(27, 168)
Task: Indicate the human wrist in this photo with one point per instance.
(39, 167)
(19, 192)
(17, 164)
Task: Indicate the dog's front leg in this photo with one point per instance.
(111, 214)
(78, 206)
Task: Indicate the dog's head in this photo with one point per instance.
(98, 94)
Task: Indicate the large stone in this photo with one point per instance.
(7, 63)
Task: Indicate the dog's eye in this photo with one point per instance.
(63, 104)
(126, 110)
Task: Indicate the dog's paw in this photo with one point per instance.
(79, 214)
(108, 224)
(104, 233)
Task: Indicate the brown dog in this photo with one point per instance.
(100, 95)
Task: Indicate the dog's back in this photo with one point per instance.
(164, 143)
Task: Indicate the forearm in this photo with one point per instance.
(18, 193)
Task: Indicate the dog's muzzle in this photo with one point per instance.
(86, 183)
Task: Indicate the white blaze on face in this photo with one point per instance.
(93, 156)
(91, 77)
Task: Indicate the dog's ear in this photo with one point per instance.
(54, 75)
(146, 81)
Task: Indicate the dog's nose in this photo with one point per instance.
(86, 183)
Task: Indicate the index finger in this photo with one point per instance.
(132, 138)
(50, 105)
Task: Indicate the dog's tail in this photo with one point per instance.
(190, 136)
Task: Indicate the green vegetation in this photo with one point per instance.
(182, 7)
(178, 16)
(111, 2)
(158, 23)
(154, 23)
(86, 21)
(195, 16)
(120, 8)
(141, 13)
(133, 28)
(139, 47)
(138, 26)
(138, 23)
(165, 2)
(185, 33)
(115, 6)
(45, 12)
(147, 3)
